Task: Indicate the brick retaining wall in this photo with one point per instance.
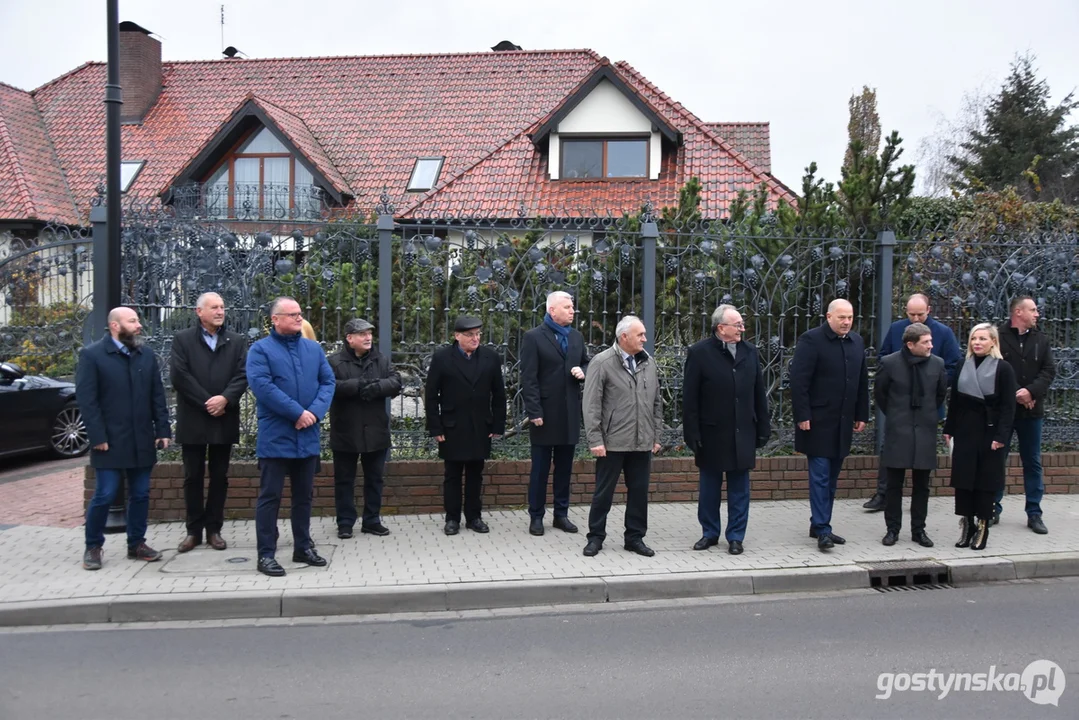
(416, 486)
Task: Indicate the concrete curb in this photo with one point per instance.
(506, 594)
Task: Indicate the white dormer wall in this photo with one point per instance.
(604, 111)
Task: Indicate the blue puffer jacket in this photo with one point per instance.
(287, 375)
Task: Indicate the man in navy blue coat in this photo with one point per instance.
(122, 399)
(830, 398)
(945, 346)
(293, 386)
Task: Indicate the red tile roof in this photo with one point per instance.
(32, 187)
(753, 139)
(362, 121)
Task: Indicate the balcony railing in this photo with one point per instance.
(250, 202)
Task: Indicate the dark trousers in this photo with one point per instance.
(107, 482)
(711, 488)
(919, 500)
(537, 482)
(636, 466)
(451, 489)
(211, 516)
(1029, 433)
(301, 473)
(823, 478)
(974, 503)
(344, 485)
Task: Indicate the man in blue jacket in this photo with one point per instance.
(293, 385)
(945, 346)
(122, 399)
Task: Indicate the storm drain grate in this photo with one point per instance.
(910, 588)
(917, 573)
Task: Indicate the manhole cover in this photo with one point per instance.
(237, 560)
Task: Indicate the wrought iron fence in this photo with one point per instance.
(413, 277)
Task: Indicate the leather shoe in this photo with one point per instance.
(452, 527)
(837, 539)
(564, 524)
(477, 525)
(705, 542)
(375, 529)
(638, 546)
(535, 527)
(824, 542)
(593, 547)
(189, 543)
(309, 557)
(889, 539)
(270, 566)
(344, 532)
(1035, 523)
(922, 539)
(216, 541)
(735, 547)
(875, 503)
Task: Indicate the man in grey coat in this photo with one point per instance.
(623, 415)
(911, 384)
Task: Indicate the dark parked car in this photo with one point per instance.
(39, 413)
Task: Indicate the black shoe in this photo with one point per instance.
(824, 542)
(889, 539)
(996, 518)
(875, 503)
(270, 566)
(452, 527)
(309, 557)
(344, 532)
(735, 547)
(535, 527)
(981, 535)
(922, 539)
(967, 528)
(375, 529)
(477, 525)
(563, 524)
(593, 547)
(1034, 522)
(705, 542)
(638, 546)
(837, 539)
(143, 552)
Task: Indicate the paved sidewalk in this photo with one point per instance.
(419, 568)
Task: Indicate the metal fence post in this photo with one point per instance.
(649, 234)
(886, 242)
(385, 288)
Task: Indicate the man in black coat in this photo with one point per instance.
(465, 402)
(1026, 348)
(724, 421)
(553, 364)
(830, 398)
(910, 387)
(360, 426)
(209, 374)
(122, 399)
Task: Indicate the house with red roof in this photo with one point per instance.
(507, 133)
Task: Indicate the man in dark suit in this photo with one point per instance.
(724, 421)
(830, 398)
(553, 364)
(209, 374)
(465, 402)
(122, 399)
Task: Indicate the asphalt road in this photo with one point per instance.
(812, 657)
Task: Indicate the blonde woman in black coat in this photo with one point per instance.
(981, 410)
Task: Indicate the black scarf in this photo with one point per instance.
(917, 376)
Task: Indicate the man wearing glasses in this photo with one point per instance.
(465, 402)
(724, 420)
(293, 385)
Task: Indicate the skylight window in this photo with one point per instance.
(425, 173)
(129, 170)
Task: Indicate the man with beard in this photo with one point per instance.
(122, 399)
(209, 375)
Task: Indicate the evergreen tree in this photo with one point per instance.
(864, 124)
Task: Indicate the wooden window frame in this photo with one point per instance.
(604, 139)
(230, 158)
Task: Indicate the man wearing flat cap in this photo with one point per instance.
(360, 426)
(465, 401)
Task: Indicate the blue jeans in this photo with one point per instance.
(537, 482)
(107, 482)
(823, 477)
(737, 503)
(1029, 431)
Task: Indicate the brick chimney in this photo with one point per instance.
(140, 72)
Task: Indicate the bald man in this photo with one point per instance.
(122, 399)
(830, 398)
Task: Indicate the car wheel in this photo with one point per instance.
(69, 438)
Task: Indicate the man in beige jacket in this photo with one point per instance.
(623, 414)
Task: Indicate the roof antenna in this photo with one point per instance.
(222, 25)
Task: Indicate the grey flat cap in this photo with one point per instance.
(466, 323)
(358, 325)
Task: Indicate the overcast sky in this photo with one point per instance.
(793, 63)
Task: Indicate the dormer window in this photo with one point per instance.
(261, 179)
(425, 174)
(604, 158)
